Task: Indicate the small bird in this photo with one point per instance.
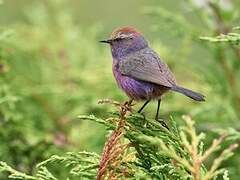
(139, 71)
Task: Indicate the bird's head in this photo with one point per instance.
(125, 40)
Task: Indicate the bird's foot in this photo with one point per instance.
(163, 123)
(128, 105)
(142, 114)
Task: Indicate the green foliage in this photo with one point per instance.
(232, 38)
(80, 165)
(154, 153)
(42, 89)
(13, 173)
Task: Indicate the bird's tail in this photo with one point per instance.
(189, 93)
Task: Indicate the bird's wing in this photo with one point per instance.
(145, 65)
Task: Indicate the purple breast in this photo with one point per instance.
(137, 89)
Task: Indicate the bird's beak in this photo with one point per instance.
(109, 41)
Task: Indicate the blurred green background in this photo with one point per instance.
(53, 69)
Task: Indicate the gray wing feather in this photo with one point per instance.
(145, 65)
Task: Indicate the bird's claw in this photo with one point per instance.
(143, 115)
(163, 123)
(128, 105)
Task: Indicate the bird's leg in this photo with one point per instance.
(144, 105)
(140, 110)
(158, 107)
(157, 113)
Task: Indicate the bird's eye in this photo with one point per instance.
(118, 39)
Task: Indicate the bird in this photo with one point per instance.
(139, 70)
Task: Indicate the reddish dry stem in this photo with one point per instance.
(112, 152)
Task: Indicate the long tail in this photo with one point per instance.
(189, 93)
